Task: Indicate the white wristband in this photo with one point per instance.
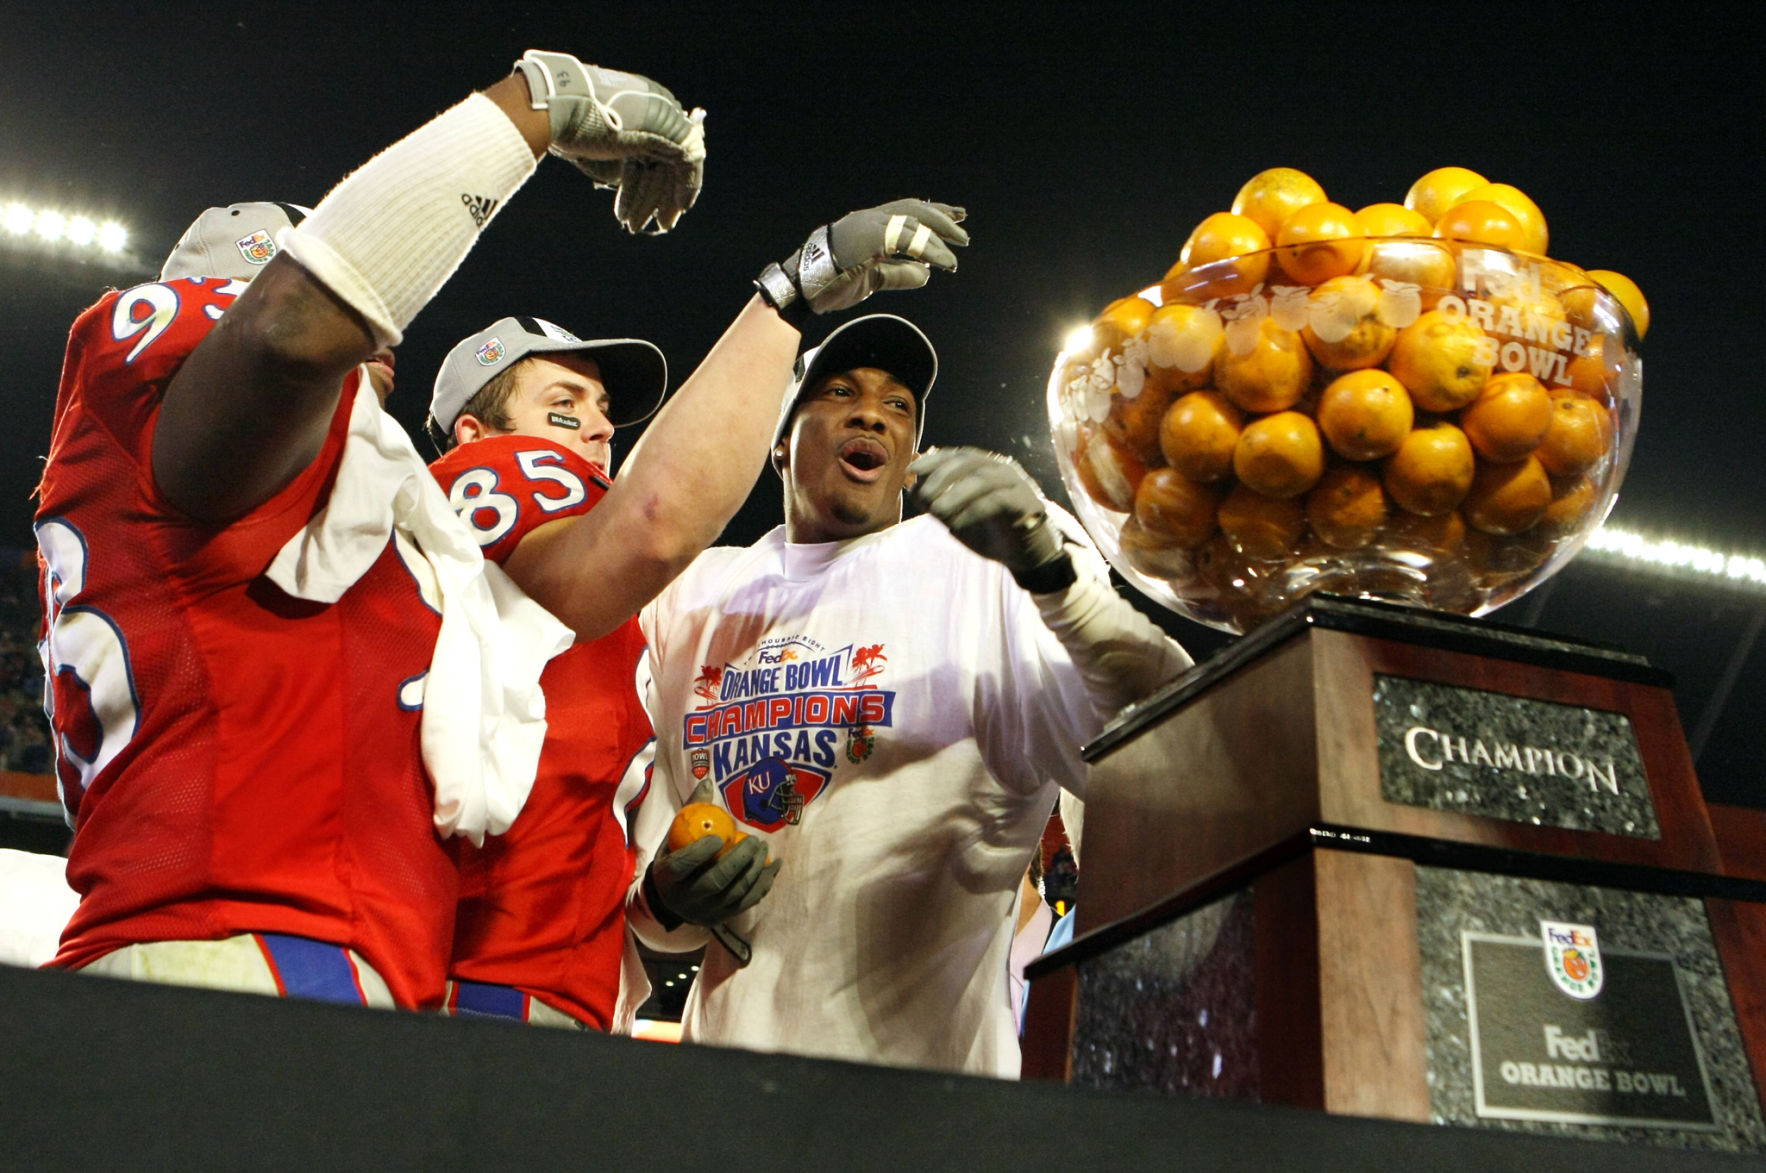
(387, 237)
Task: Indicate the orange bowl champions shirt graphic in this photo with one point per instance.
(771, 731)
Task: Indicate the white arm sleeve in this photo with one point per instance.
(387, 237)
(1119, 653)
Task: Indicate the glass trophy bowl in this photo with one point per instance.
(1444, 424)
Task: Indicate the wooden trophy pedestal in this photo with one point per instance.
(1393, 863)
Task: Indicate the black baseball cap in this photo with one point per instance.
(882, 341)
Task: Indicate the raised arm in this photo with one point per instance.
(702, 453)
(251, 406)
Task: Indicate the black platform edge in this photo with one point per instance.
(104, 1074)
(1369, 617)
(1440, 853)
(1533, 865)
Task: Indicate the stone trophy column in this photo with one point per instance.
(1393, 863)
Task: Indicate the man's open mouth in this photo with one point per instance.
(863, 458)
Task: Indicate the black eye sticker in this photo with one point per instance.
(563, 421)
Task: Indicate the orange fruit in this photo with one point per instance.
(1580, 302)
(1570, 503)
(1171, 506)
(1108, 469)
(1441, 360)
(1593, 373)
(1344, 330)
(1498, 561)
(1270, 197)
(1318, 242)
(1509, 418)
(1121, 320)
(1365, 415)
(1534, 318)
(1154, 555)
(1261, 527)
(1391, 220)
(1136, 421)
(1236, 244)
(1581, 432)
(1279, 455)
(1219, 566)
(1431, 471)
(1347, 507)
(1199, 433)
(1481, 222)
(1182, 343)
(1440, 189)
(1534, 234)
(1427, 264)
(1507, 499)
(1271, 376)
(1629, 295)
(696, 820)
(1440, 534)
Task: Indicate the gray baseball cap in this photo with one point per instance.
(236, 241)
(882, 341)
(633, 371)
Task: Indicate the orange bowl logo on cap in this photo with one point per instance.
(257, 249)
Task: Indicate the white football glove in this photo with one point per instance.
(625, 132)
(991, 505)
(894, 246)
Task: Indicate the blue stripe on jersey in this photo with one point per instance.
(312, 969)
(483, 1000)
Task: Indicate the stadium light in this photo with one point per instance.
(1668, 555)
(27, 225)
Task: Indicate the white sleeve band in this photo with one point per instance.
(387, 237)
(1120, 654)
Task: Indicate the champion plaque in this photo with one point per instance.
(1508, 757)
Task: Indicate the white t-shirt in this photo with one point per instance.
(924, 716)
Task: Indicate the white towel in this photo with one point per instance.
(35, 904)
(484, 716)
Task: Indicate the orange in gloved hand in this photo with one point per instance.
(699, 819)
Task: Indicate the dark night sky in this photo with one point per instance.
(1085, 145)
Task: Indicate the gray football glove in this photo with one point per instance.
(695, 886)
(625, 132)
(894, 246)
(698, 887)
(991, 505)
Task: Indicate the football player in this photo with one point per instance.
(891, 706)
(245, 682)
(525, 412)
(532, 409)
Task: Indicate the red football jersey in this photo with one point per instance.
(542, 906)
(232, 759)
